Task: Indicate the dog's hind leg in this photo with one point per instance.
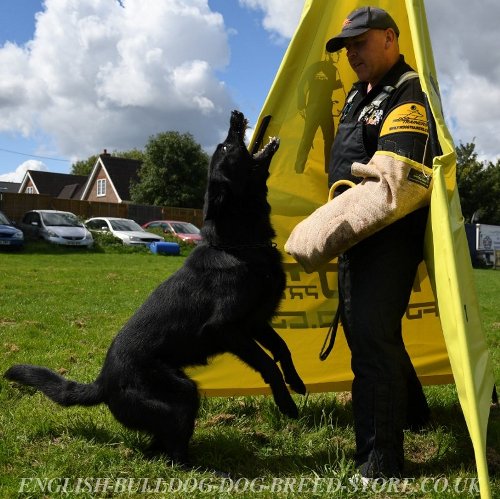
(252, 354)
(168, 416)
(273, 342)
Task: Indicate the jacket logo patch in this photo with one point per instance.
(419, 178)
(410, 117)
(371, 115)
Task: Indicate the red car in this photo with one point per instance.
(184, 231)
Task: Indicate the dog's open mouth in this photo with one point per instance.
(269, 149)
(238, 126)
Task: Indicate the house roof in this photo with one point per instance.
(9, 186)
(54, 184)
(72, 191)
(121, 172)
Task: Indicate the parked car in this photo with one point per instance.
(129, 231)
(9, 234)
(59, 227)
(184, 231)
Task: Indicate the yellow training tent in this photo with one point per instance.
(442, 328)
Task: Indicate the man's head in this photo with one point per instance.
(370, 37)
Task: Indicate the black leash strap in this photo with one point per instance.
(330, 336)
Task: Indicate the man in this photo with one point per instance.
(377, 227)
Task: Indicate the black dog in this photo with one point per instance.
(221, 300)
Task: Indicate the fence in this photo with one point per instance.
(16, 205)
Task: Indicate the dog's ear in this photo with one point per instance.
(215, 190)
(213, 199)
(218, 184)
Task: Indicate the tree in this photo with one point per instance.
(84, 167)
(174, 172)
(478, 186)
(491, 203)
(131, 154)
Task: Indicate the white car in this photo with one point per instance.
(59, 227)
(127, 230)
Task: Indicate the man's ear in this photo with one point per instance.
(390, 37)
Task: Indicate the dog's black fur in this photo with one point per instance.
(221, 300)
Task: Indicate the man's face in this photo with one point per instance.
(367, 55)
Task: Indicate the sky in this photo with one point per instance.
(78, 77)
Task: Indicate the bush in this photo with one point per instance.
(105, 242)
(105, 239)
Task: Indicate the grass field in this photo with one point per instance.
(61, 310)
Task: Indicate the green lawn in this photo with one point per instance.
(61, 309)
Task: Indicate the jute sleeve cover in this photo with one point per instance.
(392, 187)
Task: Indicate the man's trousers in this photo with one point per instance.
(375, 282)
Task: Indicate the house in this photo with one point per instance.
(110, 179)
(108, 182)
(57, 185)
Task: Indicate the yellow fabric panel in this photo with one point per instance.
(303, 320)
(449, 264)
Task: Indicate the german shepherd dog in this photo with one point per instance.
(220, 300)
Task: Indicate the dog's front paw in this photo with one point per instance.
(297, 385)
(288, 407)
(293, 379)
(291, 412)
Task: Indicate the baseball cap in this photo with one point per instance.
(358, 22)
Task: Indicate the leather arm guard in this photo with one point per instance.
(392, 187)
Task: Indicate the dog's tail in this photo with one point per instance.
(57, 388)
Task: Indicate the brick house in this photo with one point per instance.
(110, 179)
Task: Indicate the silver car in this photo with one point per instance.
(59, 227)
(129, 231)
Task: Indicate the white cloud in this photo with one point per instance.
(18, 175)
(465, 42)
(97, 75)
(280, 16)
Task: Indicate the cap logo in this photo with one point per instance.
(346, 22)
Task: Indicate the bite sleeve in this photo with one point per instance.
(392, 187)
